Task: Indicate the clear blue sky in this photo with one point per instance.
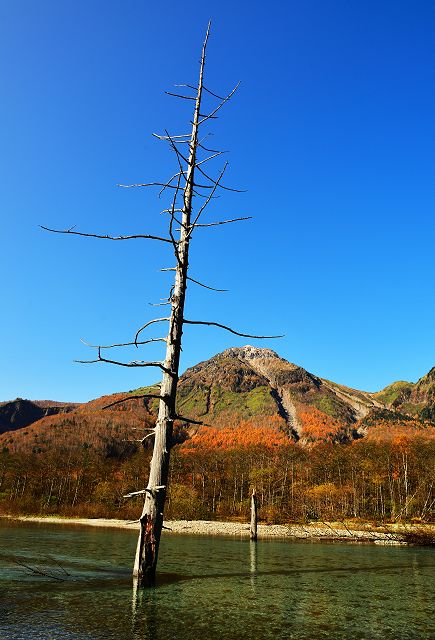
(332, 133)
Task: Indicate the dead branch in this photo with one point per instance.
(149, 435)
(189, 420)
(190, 86)
(134, 363)
(223, 326)
(201, 284)
(56, 562)
(173, 145)
(138, 397)
(197, 166)
(37, 571)
(224, 100)
(177, 95)
(157, 184)
(200, 144)
(209, 150)
(219, 222)
(214, 94)
(104, 237)
(183, 135)
(208, 198)
(142, 491)
(171, 223)
(147, 324)
(221, 186)
(121, 344)
(168, 183)
(146, 184)
(215, 155)
(202, 195)
(170, 211)
(134, 493)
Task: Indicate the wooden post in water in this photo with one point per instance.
(253, 516)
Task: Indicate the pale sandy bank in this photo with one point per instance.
(205, 527)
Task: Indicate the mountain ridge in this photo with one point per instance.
(249, 386)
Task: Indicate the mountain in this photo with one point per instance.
(245, 393)
(19, 413)
(248, 383)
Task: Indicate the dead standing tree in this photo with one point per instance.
(183, 220)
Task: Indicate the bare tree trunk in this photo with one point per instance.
(151, 520)
(253, 515)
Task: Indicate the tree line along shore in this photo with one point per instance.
(378, 482)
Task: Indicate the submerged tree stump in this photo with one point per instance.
(253, 533)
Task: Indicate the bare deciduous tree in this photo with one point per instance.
(190, 184)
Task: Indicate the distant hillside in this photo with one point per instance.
(247, 393)
(19, 413)
(114, 431)
(390, 394)
(418, 399)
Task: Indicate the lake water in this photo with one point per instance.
(210, 588)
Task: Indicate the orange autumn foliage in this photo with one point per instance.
(243, 434)
(400, 432)
(69, 431)
(317, 425)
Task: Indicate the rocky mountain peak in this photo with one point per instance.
(249, 352)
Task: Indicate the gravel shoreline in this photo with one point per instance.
(329, 531)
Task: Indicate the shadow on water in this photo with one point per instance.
(96, 576)
(169, 578)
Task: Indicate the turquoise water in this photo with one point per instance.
(210, 588)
